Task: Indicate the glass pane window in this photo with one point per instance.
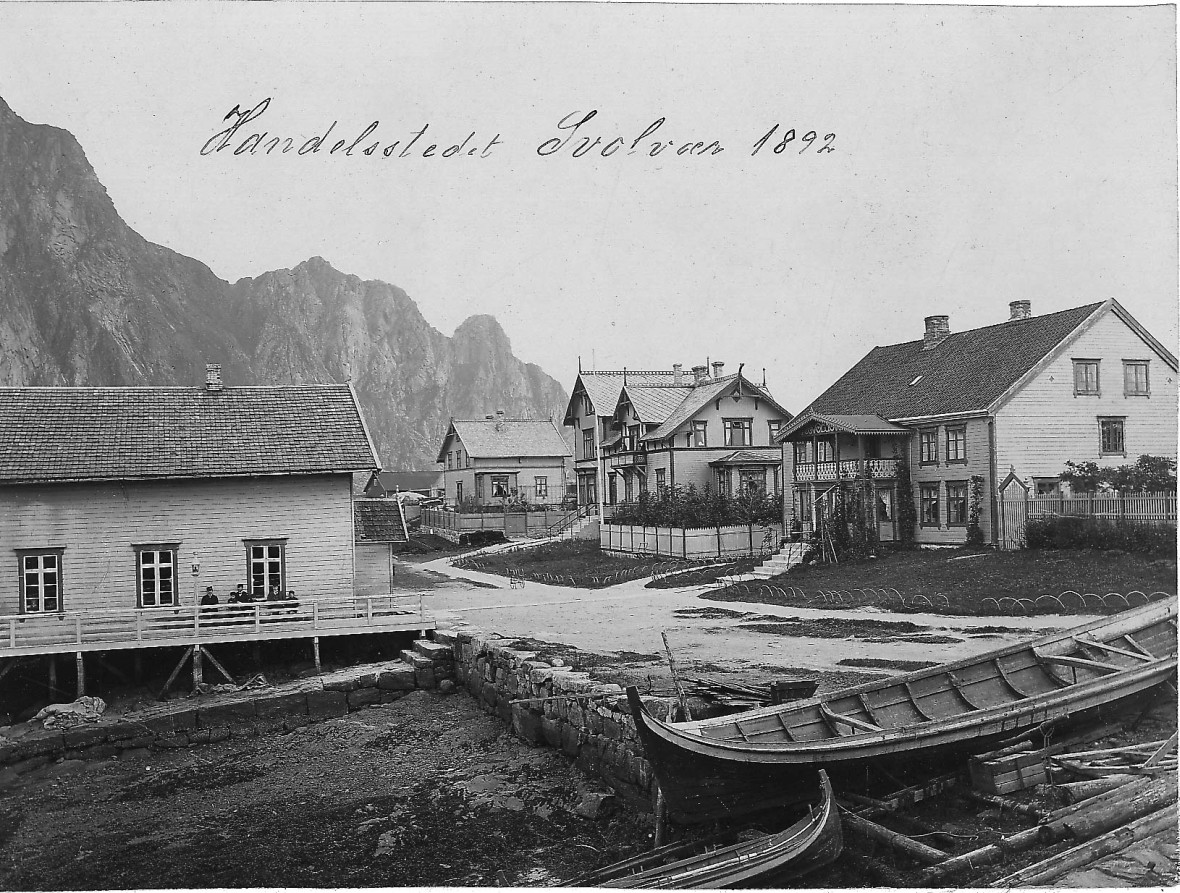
(1135, 378)
(699, 435)
(266, 568)
(956, 503)
(541, 485)
(956, 444)
(928, 512)
(928, 446)
(737, 432)
(40, 582)
(775, 425)
(588, 443)
(825, 451)
(1111, 432)
(1085, 377)
(499, 486)
(157, 577)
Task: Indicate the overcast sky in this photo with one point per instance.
(980, 155)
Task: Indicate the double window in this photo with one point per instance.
(956, 503)
(738, 432)
(266, 565)
(1112, 436)
(588, 443)
(1135, 383)
(752, 480)
(499, 486)
(956, 443)
(1085, 378)
(928, 509)
(928, 447)
(825, 451)
(801, 451)
(156, 576)
(40, 580)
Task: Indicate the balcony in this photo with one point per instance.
(622, 460)
(73, 631)
(849, 469)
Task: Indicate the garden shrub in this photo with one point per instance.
(1072, 532)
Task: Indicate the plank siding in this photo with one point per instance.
(1044, 423)
(978, 463)
(97, 524)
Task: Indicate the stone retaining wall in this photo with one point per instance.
(195, 721)
(598, 732)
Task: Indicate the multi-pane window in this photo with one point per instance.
(1111, 434)
(588, 443)
(956, 503)
(801, 451)
(264, 566)
(541, 486)
(775, 425)
(1135, 378)
(699, 434)
(499, 486)
(450, 459)
(825, 451)
(928, 508)
(458, 492)
(752, 480)
(737, 432)
(660, 482)
(632, 437)
(157, 575)
(479, 486)
(40, 581)
(928, 446)
(956, 444)
(1085, 377)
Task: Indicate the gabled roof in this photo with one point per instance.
(848, 424)
(654, 405)
(506, 438)
(378, 521)
(400, 481)
(751, 456)
(965, 372)
(703, 394)
(603, 388)
(102, 434)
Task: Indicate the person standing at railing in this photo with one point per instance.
(209, 600)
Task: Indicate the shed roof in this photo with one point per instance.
(507, 438)
(97, 434)
(378, 521)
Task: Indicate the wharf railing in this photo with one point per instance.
(112, 629)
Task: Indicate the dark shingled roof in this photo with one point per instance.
(964, 373)
(98, 434)
(378, 521)
(507, 438)
(394, 481)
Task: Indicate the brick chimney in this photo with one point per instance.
(1019, 310)
(499, 419)
(677, 373)
(700, 374)
(213, 377)
(937, 328)
(717, 367)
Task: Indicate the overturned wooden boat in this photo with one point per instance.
(810, 843)
(769, 756)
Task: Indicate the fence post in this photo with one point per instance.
(718, 540)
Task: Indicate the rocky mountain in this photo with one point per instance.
(85, 300)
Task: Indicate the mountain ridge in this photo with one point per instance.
(86, 300)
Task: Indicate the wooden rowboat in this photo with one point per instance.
(766, 757)
(812, 842)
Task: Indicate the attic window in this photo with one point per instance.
(917, 379)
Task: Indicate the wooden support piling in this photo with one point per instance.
(52, 675)
(198, 668)
(217, 664)
(315, 651)
(919, 852)
(80, 667)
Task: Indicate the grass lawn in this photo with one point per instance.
(581, 560)
(965, 579)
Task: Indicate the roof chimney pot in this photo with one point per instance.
(937, 329)
(677, 372)
(213, 377)
(700, 374)
(1019, 310)
(717, 367)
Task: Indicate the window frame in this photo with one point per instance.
(251, 544)
(21, 554)
(923, 489)
(1081, 362)
(966, 501)
(588, 443)
(507, 480)
(699, 436)
(957, 429)
(927, 436)
(1135, 364)
(1104, 420)
(747, 474)
(825, 450)
(745, 425)
(661, 480)
(541, 486)
(773, 427)
(140, 549)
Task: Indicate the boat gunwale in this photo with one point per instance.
(1164, 607)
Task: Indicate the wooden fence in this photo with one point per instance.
(518, 524)
(704, 542)
(1016, 509)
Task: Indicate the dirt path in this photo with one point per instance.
(425, 791)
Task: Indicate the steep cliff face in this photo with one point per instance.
(85, 300)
